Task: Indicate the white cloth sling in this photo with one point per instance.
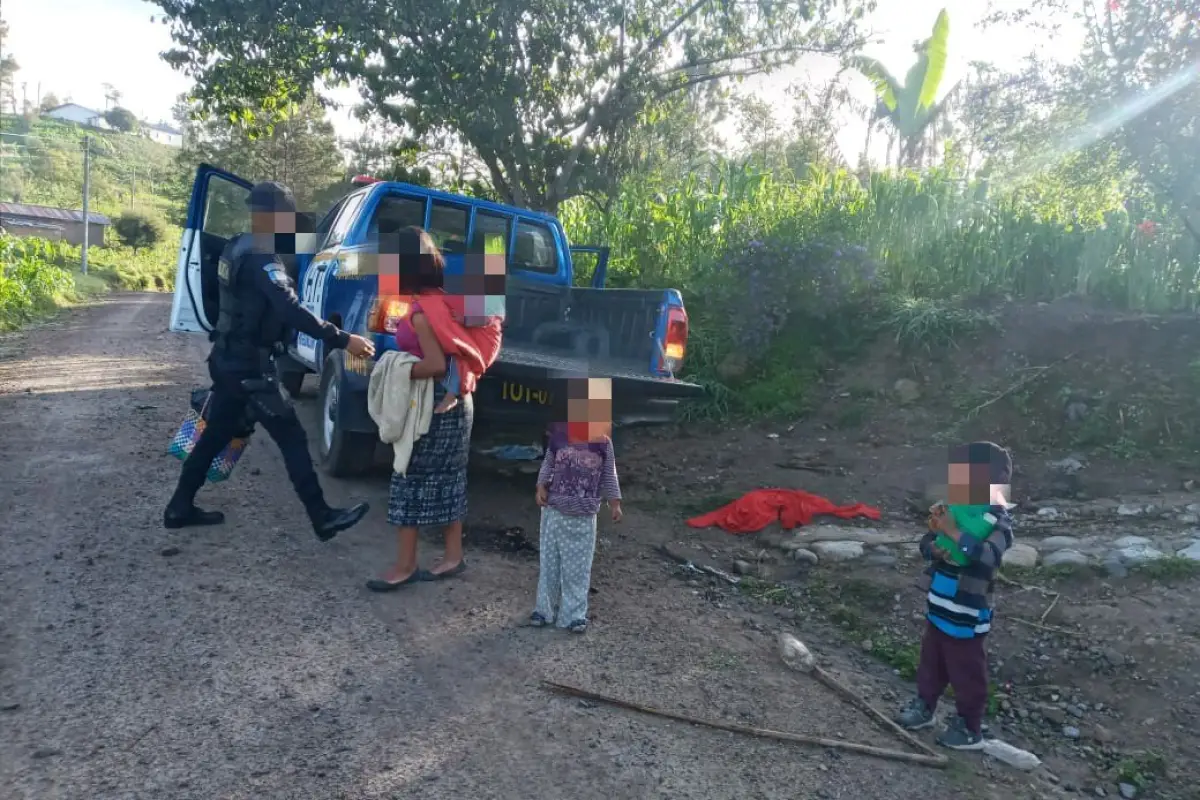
(401, 406)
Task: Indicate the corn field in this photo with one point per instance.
(761, 256)
(30, 282)
(932, 235)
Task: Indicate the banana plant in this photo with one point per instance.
(910, 107)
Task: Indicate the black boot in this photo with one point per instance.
(332, 521)
(191, 517)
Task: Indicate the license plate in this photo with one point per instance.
(520, 393)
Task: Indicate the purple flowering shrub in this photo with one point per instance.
(781, 279)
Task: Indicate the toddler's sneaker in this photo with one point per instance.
(578, 626)
(536, 620)
(915, 716)
(958, 737)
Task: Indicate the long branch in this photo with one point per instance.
(708, 78)
(705, 62)
(585, 112)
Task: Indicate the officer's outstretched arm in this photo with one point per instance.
(272, 281)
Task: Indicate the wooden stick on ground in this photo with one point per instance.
(1050, 607)
(762, 733)
(1002, 578)
(1035, 373)
(1047, 628)
(856, 700)
(796, 656)
(687, 563)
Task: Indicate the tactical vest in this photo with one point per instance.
(243, 323)
(230, 314)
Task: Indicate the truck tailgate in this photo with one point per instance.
(599, 332)
(519, 360)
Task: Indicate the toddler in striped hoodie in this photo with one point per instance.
(959, 582)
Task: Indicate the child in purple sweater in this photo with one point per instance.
(577, 473)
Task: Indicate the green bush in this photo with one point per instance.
(31, 283)
(138, 230)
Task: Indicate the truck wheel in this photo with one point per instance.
(343, 453)
(293, 382)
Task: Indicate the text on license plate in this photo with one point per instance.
(519, 393)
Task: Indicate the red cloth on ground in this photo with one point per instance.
(756, 510)
(476, 347)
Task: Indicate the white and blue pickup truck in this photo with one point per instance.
(638, 338)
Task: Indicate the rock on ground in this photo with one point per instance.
(907, 391)
(1132, 541)
(838, 551)
(1053, 544)
(1021, 555)
(802, 556)
(1138, 554)
(1072, 558)
(1192, 552)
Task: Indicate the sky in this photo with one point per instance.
(94, 42)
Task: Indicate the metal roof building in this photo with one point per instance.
(45, 222)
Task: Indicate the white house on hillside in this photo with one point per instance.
(80, 115)
(163, 134)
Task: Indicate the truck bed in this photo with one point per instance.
(551, 330)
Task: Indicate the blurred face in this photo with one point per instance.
(589, 409)
(284, 233)
(970, 484)
(273, 222)
(482, 287)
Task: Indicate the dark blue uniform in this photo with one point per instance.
(258, 309)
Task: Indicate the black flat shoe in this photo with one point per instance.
(336, 520)
(379, 585)
(450, 573)
(193, 517)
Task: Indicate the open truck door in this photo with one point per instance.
(216, 213)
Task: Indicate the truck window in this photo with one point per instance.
(534, 251)
(337, 233)
(327, 222)
(225, 212)
(395, 213)
(491, 234)
(448, 227)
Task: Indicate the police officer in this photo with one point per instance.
(258, 307)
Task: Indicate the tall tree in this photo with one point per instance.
(676, 134)
(1136, 90)
(760, 130)
(300, 151)
(8, 70)
(911, 108)
(122, 119)
(817, 123)
(536, 89)
(112, 96)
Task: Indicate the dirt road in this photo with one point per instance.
(247, 661)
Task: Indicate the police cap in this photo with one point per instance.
(271, 196)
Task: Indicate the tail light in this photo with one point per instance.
(386, 313)
(675, 341)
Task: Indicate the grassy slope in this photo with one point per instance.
(42, 164)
